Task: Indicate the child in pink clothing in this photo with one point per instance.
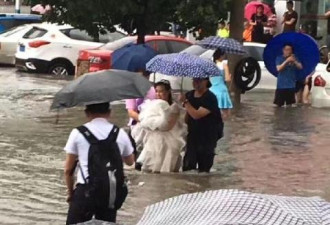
(132, 106)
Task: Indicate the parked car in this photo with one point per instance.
(10, 20)
(100, 58)
(254, 50)
(54, 49)
(9, 41)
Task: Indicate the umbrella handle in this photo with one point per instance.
(154, 78)
(57, 117)
(181, 86)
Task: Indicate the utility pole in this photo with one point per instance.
(17, 6)
(236, 32)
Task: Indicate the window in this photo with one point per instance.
(35, 32)
(118, 44)
(13, 31)
(195, 50)
(151, 44)
(6, 24)
(110, 37)
(80, 35)
(161, 47)
(255, 51)
(177, 46)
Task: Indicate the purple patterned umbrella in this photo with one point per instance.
(183, 65)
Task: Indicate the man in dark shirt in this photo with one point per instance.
(290, 18)
(327, 15)
(258, 21)
(204, 126)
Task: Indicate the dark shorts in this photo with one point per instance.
(285, 97)
(300, 85)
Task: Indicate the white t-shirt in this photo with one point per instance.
(100, 128)
(221, 65)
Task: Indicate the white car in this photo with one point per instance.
(53, 49)
(254, 50)
(9, 41)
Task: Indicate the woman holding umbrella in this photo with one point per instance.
(203, 116)
(258, 21)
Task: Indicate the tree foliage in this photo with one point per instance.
(202, 16)
(137, 16)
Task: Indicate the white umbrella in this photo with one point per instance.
(233, 207)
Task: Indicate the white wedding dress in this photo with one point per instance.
(162, 148)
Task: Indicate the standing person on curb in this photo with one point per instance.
(247, 33)
(327, 16)
(287, 67)
(205, 126)
(223, 32)
(290, 18)
(258, 21)
(99, 148)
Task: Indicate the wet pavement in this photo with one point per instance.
(267, 150)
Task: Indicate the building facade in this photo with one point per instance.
(313, 19)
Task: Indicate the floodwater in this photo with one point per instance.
(267, 150)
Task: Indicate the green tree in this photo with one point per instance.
(138, 16)
(201, 16)
(134, 16)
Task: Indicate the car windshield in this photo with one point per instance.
(8, 23)
(35, 32)
(12, 31)
(255, 52)
(111, 46)
(110, 37)
(195, 50)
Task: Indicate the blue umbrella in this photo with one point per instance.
(132, 57)
(229, 45)
(305, 49)
(182, 65)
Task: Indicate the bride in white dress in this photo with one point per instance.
(162, 132)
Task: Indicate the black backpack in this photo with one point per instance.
(106, 180)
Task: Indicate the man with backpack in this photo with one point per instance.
(97, 149)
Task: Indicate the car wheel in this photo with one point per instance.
(60, 70)
(247, 74)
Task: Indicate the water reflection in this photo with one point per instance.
(290, 129)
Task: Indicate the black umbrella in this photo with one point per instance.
(99, 87)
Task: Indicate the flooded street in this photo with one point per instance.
(267, 150)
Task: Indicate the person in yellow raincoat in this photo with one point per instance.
(223, 32)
